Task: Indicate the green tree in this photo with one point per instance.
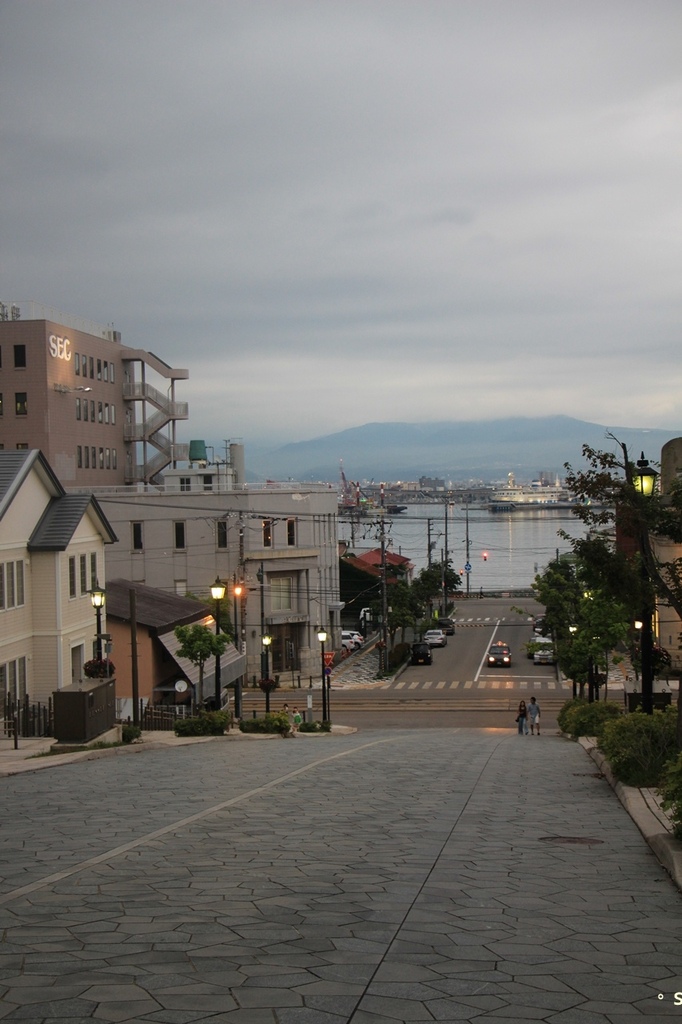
(197, 644)
(429, 585)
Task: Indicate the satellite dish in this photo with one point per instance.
(181, 686)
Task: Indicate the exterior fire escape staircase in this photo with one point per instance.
(158, 410)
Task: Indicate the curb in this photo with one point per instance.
(665, 847)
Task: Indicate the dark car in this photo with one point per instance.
(447, 625)
(539, 625)
(421, 654)
(499, 654)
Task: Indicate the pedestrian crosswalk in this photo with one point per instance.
(559, 687)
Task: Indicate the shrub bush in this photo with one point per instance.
(398, 655)
(277, 721)
(315, 727)
(206, 723)
(130, 733)
(671, 792)
(582, 718)
(638, 746)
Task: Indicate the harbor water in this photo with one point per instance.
(506, 550)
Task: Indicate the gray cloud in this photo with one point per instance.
(335, 212)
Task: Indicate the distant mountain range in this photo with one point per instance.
(486, 450)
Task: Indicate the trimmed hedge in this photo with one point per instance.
(638, 746)
(206, 723)
(315, 727)
(585, 718)
(671, 792)
(274, 722)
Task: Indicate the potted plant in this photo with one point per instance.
(98, 668)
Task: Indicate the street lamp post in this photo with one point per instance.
(97, 597)
(322, 637)
(217, 593)
(644, 480)
(265, 682)
(237, 593)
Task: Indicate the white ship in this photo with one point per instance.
(539, 494)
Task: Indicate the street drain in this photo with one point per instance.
(589, 775)
(575, 840)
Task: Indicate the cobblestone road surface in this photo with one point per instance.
(435, 875)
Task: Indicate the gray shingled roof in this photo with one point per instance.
(15, 467)
(154, 608)
(60, 521)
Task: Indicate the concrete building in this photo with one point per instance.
(279, 541)
(51, 557)
(101, 413)
(669, 624)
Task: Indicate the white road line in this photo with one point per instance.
(468, 684)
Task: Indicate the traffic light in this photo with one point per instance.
(485, 556)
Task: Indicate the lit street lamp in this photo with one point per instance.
(217, 593)
(644, 480)
(322, 637)
(97, 597)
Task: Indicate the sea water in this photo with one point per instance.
(506, 550)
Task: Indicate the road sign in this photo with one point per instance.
(329, 658)
(467, 567)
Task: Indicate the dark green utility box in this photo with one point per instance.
(661, 700)
(84, 711)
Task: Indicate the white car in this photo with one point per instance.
(435, 638)
(357, 639)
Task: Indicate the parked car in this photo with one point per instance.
(435, 638)
(499, 654)
(348, 646)
(539, 625)
(447, 625)
(537, 643)
(355, 638)
(545, 655)
(421, 654)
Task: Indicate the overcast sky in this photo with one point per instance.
(342, 211)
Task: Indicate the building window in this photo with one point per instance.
(78, 408)
(100, 413)
(93, 570)
(208, 482)
(267, 533)
(113, 414)
(72, 576)
(13, 678)
(280, 593)
(79, 456)
(11, 585)
(92, 370)
(92, 411)
(111, 373)
(185, 483)
(291, 533)
(83, 566)
(101, 458)
(107, 458)
(2, 586)
(105, 368)
(221, 533)
(179, 535)
(19, 357)
(21, 403)
(84, 365)
(137, 537)
(106, 412)
(86, 454)
(99, 369)
(22, 447)
(114, 459)
(85, 408)
(0, 405)
(77, 363)
(93, 457)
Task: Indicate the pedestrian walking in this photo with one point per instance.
(297, 719)
(534, 716)
(522, 718)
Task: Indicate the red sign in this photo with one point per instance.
(329, 658)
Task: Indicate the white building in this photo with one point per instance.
(51, 556)
(278, 540)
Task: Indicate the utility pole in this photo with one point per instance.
(384, 594)
(468, 575)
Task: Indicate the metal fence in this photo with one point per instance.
(162, 717)
(26, 718)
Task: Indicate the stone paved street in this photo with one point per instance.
(411, 875)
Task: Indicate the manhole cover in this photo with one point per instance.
(575, 840)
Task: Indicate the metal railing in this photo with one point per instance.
(26, 718)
